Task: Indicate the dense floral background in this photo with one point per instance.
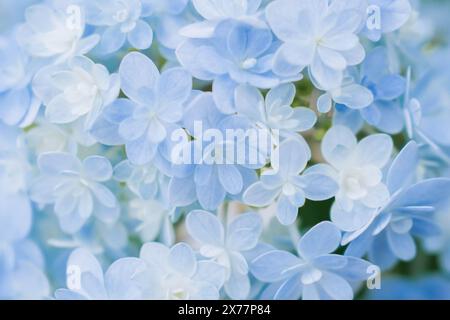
(350, 201)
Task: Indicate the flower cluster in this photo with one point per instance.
(211, 149)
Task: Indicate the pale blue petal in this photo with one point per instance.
(182, 259)
(250, 103)
(282, 95)
(212, 193)
(337, 145)
(324, 103)
(336, 287)
(140, 151)
(286, 211)
(275, 265)
(403, 169)
(174, 87)
(141, 36)
(97, 168)
(182, 191)
(137, 72)
(112, 40)
(402, 245)
(205, 228)
(318, 187)
(119, 279)
(257, 195)
(211, 272)
(244, 231)
(375, 150)
(238, 286)
(230, 178)
(321, 239)
(293, 157)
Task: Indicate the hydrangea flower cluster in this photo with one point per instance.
(211, 149)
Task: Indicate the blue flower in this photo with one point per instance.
(153, 111)
(46, 34)
(224, 246)
(385, 110)
(86, 280)
(316, 34)
(238, 52)
(284, 185)
(78, 90)
(315, 273)
(119, 21)
(212, 174)
(75, 189)
(358, 170)
(274, 113)
(176, 274)
(388, 234)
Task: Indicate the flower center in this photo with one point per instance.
(249, 63)
(121, 15)
(311, 275)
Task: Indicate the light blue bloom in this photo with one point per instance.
(176, 274)
(224, 245)
(358, 170)
(86, 281)
(317, 34)
(315, 273)
(47, 34)
(155, 107)
(238, 52)
(274, 113)
(78, 90)
(284, 185)
(215, 172)
(385, 111)
(119, 21)
(388, 235)
(75, 189)
(18, 105)
(391, 15)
